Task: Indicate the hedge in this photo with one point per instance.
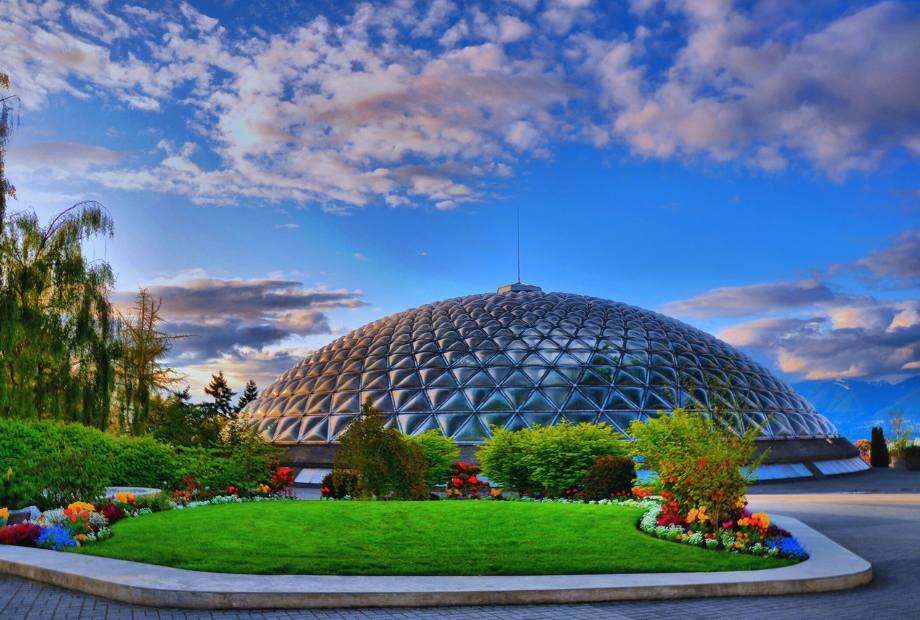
(54, 463)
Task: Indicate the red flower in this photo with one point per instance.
(473, 480)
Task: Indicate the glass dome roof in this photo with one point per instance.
(519, 358)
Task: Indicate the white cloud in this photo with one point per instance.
(332, 111)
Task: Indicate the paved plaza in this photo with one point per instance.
(879, 522)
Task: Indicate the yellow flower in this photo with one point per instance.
(265, 488)
(495, 492)
(124, 497)
(763, 518)
(81, 507)
(4, 513)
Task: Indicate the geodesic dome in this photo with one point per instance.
(519, 358)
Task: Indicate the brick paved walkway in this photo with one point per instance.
(886, 534)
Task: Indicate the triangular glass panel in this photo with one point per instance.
(499, 373)
(375, 380)
(557, 395)
(518, 379)
(473, 430)
(517, 395)
(538, 402)
(477, 396)
(450, 423)
(666, 395)
(402, 397)
(501, 360)
(480, 379)
(539, 418)
(319, 404)
(435, 361)
(630, 376)
(287, 430)
(555, 379)
(596, 395)
(578, 402)
(463, 374)
(402, 361)
(496, 401)
(495, 418)
(314, 428)
(534, 373)
(346, 402)
(438, 397)
(484, 356)
(409, 422)
(456, 402)
(338, 424)
(408, 380)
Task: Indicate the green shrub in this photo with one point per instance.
(609, 476)
(550, 459)
(878, 453)
(440, 453)
(912, 457)
(339, 483)
(699, 459)
(384, 462)
(55, 463)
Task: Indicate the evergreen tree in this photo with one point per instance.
(250, 393)
(141, 375)
(878, 452)
(221, 404)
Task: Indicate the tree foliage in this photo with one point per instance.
(381, 460)
(250, 393)
(58, 342)
(221, 403)
(701, 459)
(141, 375)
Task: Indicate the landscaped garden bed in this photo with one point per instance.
(410, 538)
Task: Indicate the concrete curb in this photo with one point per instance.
(830, 567)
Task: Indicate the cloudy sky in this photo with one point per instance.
(282, 172)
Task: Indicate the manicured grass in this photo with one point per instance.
(408, 538)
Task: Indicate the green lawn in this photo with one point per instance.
(408, 538)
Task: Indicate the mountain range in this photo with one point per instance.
(855, 406)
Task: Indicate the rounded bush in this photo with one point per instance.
(609, 476)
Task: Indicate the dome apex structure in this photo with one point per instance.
(522, 357)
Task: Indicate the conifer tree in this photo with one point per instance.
(250, 393)
(221, 404)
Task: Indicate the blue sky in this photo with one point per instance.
(281, 176)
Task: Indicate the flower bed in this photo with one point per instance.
(82, 523)
(751, 533)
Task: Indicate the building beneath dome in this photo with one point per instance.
(520, 358)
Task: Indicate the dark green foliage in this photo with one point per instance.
(547, 459)
(56, 463)
(221, 404)
(878, 453)
(385, 464)
(339, 483)
(250, 393)
(912, 458)
(58, 341)
(609, 476)
(440, 453)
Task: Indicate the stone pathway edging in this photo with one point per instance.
(831, 567)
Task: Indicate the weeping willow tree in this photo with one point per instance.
(58, 343)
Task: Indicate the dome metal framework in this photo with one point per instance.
(520, 358)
